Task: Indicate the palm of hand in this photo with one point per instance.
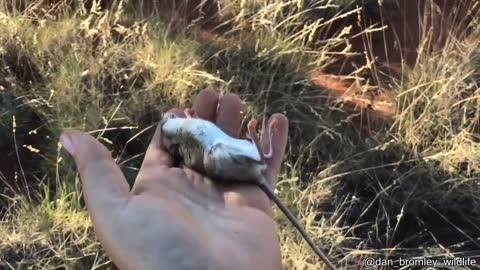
(174, 218)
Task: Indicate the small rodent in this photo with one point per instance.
(203, 146)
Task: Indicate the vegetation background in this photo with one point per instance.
(383, 99)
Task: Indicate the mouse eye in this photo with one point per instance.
(172, 115)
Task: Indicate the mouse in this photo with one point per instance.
(206, 148)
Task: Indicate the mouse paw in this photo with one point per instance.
(189, 112)
(252, 134)
(252, 124)
(272, 125)
(252, 129)
(270, 138)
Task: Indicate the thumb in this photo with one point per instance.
(104, 187)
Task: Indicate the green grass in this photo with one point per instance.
(409, 189)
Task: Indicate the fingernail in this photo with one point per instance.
(67, 143)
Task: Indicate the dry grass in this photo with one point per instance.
(410, 189)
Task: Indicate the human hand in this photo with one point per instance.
(175, 218)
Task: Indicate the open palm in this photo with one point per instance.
(175, 218)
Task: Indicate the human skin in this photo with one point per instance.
(175, 218)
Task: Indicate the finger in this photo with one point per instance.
(279, 143)
(104, 187)
(205, 104)
(229, 118)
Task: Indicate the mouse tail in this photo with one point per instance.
(295, 223)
